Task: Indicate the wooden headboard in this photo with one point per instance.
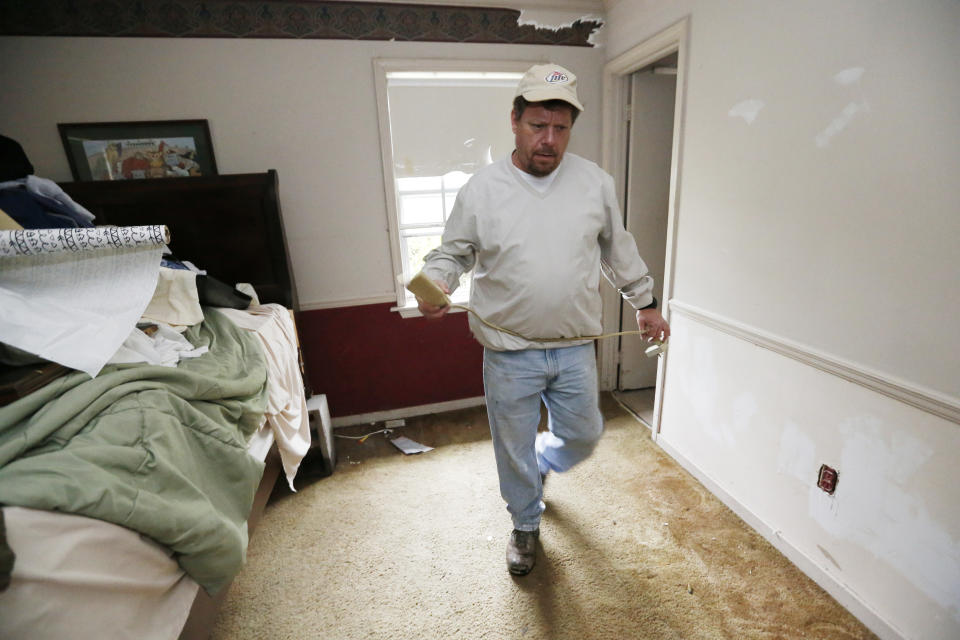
(229, 225)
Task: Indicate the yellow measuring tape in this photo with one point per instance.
(428, 291)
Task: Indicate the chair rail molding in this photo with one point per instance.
(922, 398)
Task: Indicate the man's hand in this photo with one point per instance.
(433, 312)
(652, 325)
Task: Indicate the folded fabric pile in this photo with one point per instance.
(34, 202)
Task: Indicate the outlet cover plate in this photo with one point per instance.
(827, 479)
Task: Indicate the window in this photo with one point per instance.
(425, 204)
(440, 121)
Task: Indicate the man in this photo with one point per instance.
(537, 228)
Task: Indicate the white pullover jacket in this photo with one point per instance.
(537, 257)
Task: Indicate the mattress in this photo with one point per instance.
(81, 577)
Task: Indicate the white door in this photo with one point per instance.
(646, 204)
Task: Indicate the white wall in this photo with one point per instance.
(306, 108)
(819, 215)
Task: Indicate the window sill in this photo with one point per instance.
(411, 311)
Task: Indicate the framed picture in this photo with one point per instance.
(138, 150)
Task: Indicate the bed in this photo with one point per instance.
(128, 498)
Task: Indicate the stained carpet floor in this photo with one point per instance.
(412, 547)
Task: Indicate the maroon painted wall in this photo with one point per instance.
(368, 358)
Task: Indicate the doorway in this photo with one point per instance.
(650, 115)
(642, 135)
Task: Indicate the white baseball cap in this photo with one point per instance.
(544, 82)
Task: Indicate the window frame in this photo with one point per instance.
(383, 66)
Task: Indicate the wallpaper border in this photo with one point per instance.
(297, 19)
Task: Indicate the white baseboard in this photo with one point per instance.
(840, 592)
(407, 412)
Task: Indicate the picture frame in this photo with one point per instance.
(136, 150)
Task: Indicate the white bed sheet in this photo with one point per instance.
(76, 577)
(286, 412)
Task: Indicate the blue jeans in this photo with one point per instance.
(515, 382)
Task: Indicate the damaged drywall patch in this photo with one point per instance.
(838, 124)
(559, 21)
(700, 382)
(797, 454)
(747, 109)
(875, 508)
(849, 77)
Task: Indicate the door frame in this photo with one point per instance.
(616, 98)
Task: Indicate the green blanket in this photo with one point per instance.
(160, 450)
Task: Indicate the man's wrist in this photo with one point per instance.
(652, 305)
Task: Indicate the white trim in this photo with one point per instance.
(351, 302)
(406, 311)
(616, 87)
(840, 592)
(922, 398)
(503, 80)
(408, 412)
(414, 312)
(381, 66)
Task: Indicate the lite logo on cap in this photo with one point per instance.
(557, 76)
(549, 81)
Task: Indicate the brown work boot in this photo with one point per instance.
(522, 551)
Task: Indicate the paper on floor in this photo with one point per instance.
(409, 446)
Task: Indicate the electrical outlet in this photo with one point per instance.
(399, 422)
(827, 479)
